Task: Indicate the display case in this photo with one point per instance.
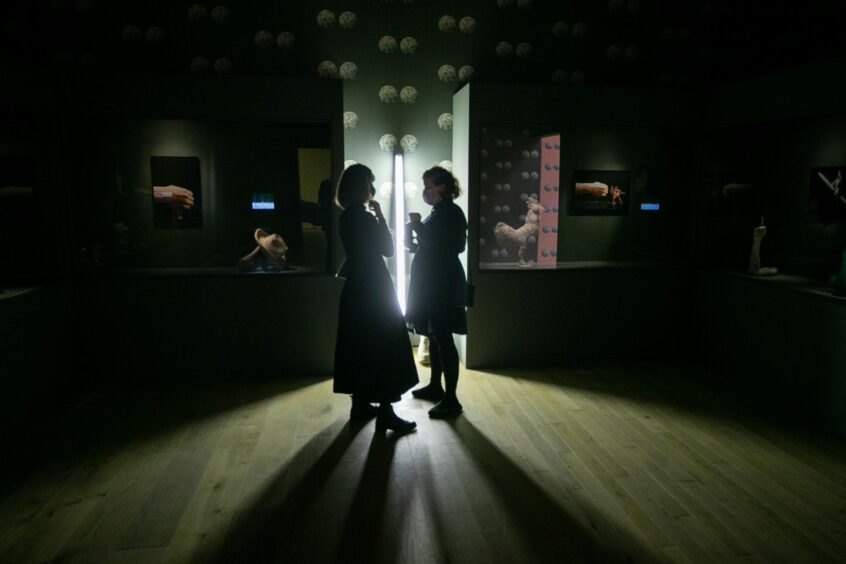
(579, 202)
(564, 178)
(191, 173)
(197, 193)
(519, 187)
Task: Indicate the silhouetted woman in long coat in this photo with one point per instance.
(436, 297)
(373, 359)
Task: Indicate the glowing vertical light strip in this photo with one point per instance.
(399, 227)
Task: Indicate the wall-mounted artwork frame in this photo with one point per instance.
(600, 192)
(827, 194)
(177, 192)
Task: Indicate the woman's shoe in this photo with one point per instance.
(429, 393)
(363, 411)
(446, 409)
(391, 422)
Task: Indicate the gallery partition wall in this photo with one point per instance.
(578, 207)
(632, 224)
(777, 339)
(196, 222)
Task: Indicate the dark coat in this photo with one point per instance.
(373, 358)
(437, 287)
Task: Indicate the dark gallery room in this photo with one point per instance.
(419, 281)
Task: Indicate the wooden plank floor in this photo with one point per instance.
(631, 463)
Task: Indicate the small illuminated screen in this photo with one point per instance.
(263, 201)
(650, 206)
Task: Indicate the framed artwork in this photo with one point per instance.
(600, 192)
(177, 192)
(827, 194)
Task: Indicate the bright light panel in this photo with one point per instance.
(399, 226)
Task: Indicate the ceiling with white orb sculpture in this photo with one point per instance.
(401, 60)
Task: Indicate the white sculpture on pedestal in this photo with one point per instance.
(755, 268)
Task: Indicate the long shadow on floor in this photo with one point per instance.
(364, 538)
(544, 528)
(293, 521)
(334, 507)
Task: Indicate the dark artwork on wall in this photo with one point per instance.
(19, 224)
(828, 194)
(600, 192)
(734, 194)
(177, 192)
(518, 201)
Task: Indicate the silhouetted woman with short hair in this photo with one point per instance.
(437, 287)
(373, 359)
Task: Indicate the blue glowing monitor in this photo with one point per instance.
(263, 201)
(650, 206)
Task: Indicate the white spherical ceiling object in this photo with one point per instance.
(347, 20)
(132, 34)
(326, 19)
(348, 70)
(504, 49)
(285, 40)
(408, 143)
(327, 69)
(388, 44)
(617, 7)
(350, 120)
(559, 76)
(200, 64)
(408, 95)
(446, 73)
(445, 121)
(388, 94)
(197, 12)
(614, 52)
(465, 73)
(560, 29)
(408, 46)
(220, 14)
(388, 142)
(580, 30)
(222, 65)
(263, 39)
(155, 35)
(446, 24)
